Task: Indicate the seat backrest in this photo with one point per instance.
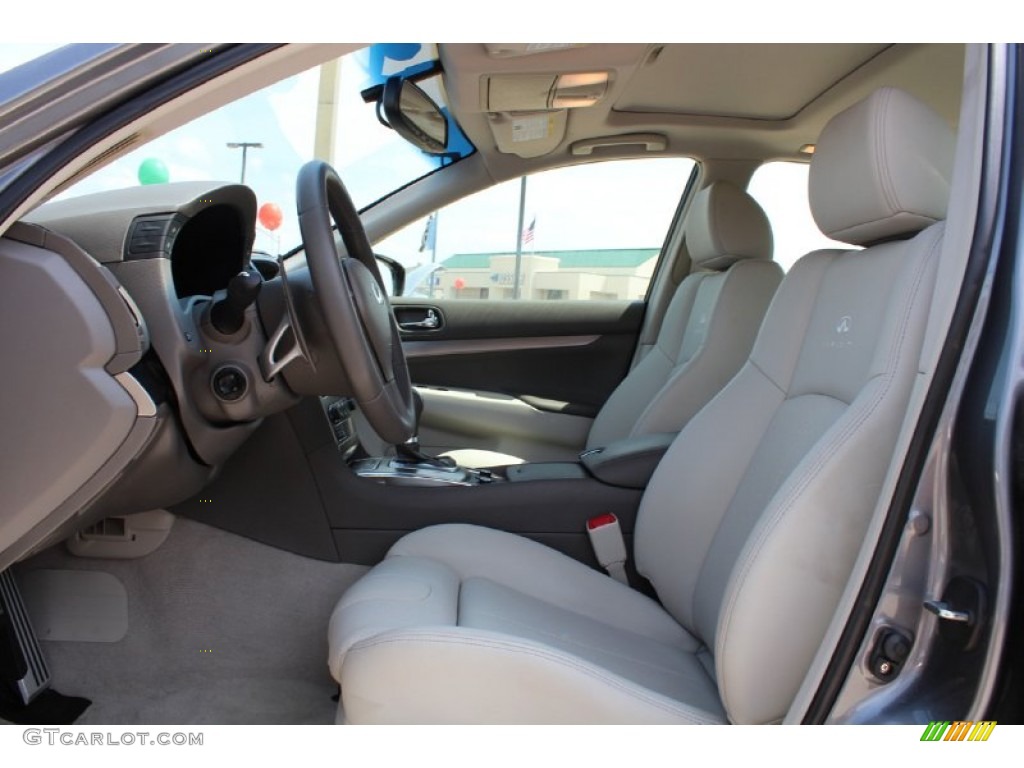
(710, 324)
(751, 524)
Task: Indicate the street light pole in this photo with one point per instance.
(244, 145)
(516, 290)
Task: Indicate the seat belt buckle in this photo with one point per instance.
(609, 545)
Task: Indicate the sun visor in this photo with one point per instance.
(528, 113)
(528, 134)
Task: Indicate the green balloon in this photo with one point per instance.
(153, 171)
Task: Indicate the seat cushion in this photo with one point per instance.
(670, 669)
(540, 638)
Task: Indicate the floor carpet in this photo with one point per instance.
(221, 630)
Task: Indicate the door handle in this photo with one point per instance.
(431, 322)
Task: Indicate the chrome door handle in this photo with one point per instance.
(430, 323)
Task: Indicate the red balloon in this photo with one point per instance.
(459, 283)
(271, 216)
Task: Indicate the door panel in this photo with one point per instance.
(524, 377)
(574, 352)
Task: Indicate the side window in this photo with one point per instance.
(588, 232)
(781, 189)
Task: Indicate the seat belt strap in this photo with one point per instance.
(609, 546)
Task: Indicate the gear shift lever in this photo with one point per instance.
(409, 452)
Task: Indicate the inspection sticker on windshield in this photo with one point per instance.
(531, 128)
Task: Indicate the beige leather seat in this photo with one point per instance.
(707, 332)
(749, 527)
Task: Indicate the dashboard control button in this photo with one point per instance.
(229, 383)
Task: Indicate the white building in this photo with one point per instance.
(613, 273)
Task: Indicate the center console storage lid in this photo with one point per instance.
(628, 463)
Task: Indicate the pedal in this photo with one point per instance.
(21, 659)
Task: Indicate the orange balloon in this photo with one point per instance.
(271, 216)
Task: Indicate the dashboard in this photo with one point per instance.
(206, 230)
(115, 291)
(206, 250)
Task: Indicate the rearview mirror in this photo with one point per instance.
(414, 115)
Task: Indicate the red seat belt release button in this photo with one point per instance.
(609, 546)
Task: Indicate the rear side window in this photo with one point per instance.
(781, 189)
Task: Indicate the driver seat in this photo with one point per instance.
(707, 333)
(749, 528)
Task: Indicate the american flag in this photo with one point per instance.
(429, 239)
(528, 232)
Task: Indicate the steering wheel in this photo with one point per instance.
(354, 304)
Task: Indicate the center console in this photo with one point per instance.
(627, 463)
(395, 471)
(304, 483)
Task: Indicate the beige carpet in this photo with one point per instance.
(220, 630)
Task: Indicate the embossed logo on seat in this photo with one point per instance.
(842, 327)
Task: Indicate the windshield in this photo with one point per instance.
(263, 139)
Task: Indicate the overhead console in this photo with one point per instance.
(528, 106)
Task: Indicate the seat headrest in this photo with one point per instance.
(725, 225)
(881, 169)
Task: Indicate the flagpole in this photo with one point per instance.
(433, 245)
(519, 237)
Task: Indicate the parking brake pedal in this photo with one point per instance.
(21, 659)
